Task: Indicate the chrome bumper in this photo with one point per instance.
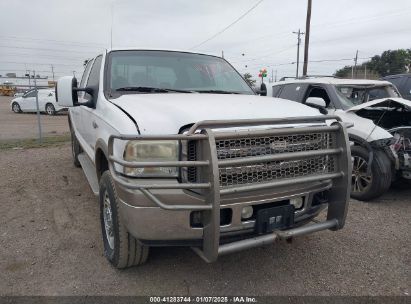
(178, 225)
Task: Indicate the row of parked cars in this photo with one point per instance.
(46, 100)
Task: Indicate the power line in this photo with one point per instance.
(43, 49)
(81, 58)
(35, 63)
(228, 26)
(71, 43)
(311, 61)
(266, 55)
(326, 26)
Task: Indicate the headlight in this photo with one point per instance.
(147, 151)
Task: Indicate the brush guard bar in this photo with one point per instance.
(203, 133)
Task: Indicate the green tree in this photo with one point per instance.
(249, 78)
(344, 72)
(388, 63)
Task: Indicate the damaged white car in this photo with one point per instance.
(381, 130)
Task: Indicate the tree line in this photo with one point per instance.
(388, 63)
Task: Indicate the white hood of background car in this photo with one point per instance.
(166, 113)
(372, 103)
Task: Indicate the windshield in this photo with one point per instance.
(131, 72)
(352, 95)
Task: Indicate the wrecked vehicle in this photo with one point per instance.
(182, 152)
(381, 130)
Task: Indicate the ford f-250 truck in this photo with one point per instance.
(182, 152)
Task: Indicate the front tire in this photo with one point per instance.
(365, 187)
(120, 247)
(50, 110)
(15, 107)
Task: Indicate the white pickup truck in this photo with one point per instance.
(182, 152)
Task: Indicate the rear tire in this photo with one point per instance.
(50, 110)
(75, 149)
(365, 187)
(120, 247)
(15, 107)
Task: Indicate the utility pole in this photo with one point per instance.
(37, 105)
(222, 54)
(52, 71)
(28, 73)
(307, 37)
(299, 33)
(354, 72)
(275, 75)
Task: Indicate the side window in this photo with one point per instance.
(31, 94)
(318, 92)
(292, 92)
(93, 79)
(84, 78)
(85, 73)
(276, 90)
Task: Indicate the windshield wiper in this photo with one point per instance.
(216, 92)
(151, 90)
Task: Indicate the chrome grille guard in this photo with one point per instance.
(210, 182)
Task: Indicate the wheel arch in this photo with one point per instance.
(101, 159)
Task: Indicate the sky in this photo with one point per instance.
(37, 34)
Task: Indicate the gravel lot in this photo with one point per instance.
(24, 125)
(50, 245)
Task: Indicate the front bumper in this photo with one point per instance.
(154, 225)
(155, 210)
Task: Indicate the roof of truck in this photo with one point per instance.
(157, 49)
(334, 81)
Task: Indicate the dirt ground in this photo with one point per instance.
(50, 244)
(24, 125)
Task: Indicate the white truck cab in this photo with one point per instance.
(182, 152)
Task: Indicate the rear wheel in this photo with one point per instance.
(50, 110)
(16, 107)
(120, 247)
(365, 186)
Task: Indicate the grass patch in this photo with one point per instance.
(51, 141)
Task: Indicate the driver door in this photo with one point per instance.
(89, 120)
(28, 102)
(76, 112)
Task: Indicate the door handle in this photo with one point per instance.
(95, 126)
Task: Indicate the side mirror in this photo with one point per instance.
(318, 103)
(263, 90)
(66, 93)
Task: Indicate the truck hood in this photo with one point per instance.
(381, 102)
(167, 113)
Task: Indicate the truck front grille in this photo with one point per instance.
(270, 145)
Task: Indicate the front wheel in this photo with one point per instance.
(368, 185)
(16, 107)
(120, 247)
(50, 110)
